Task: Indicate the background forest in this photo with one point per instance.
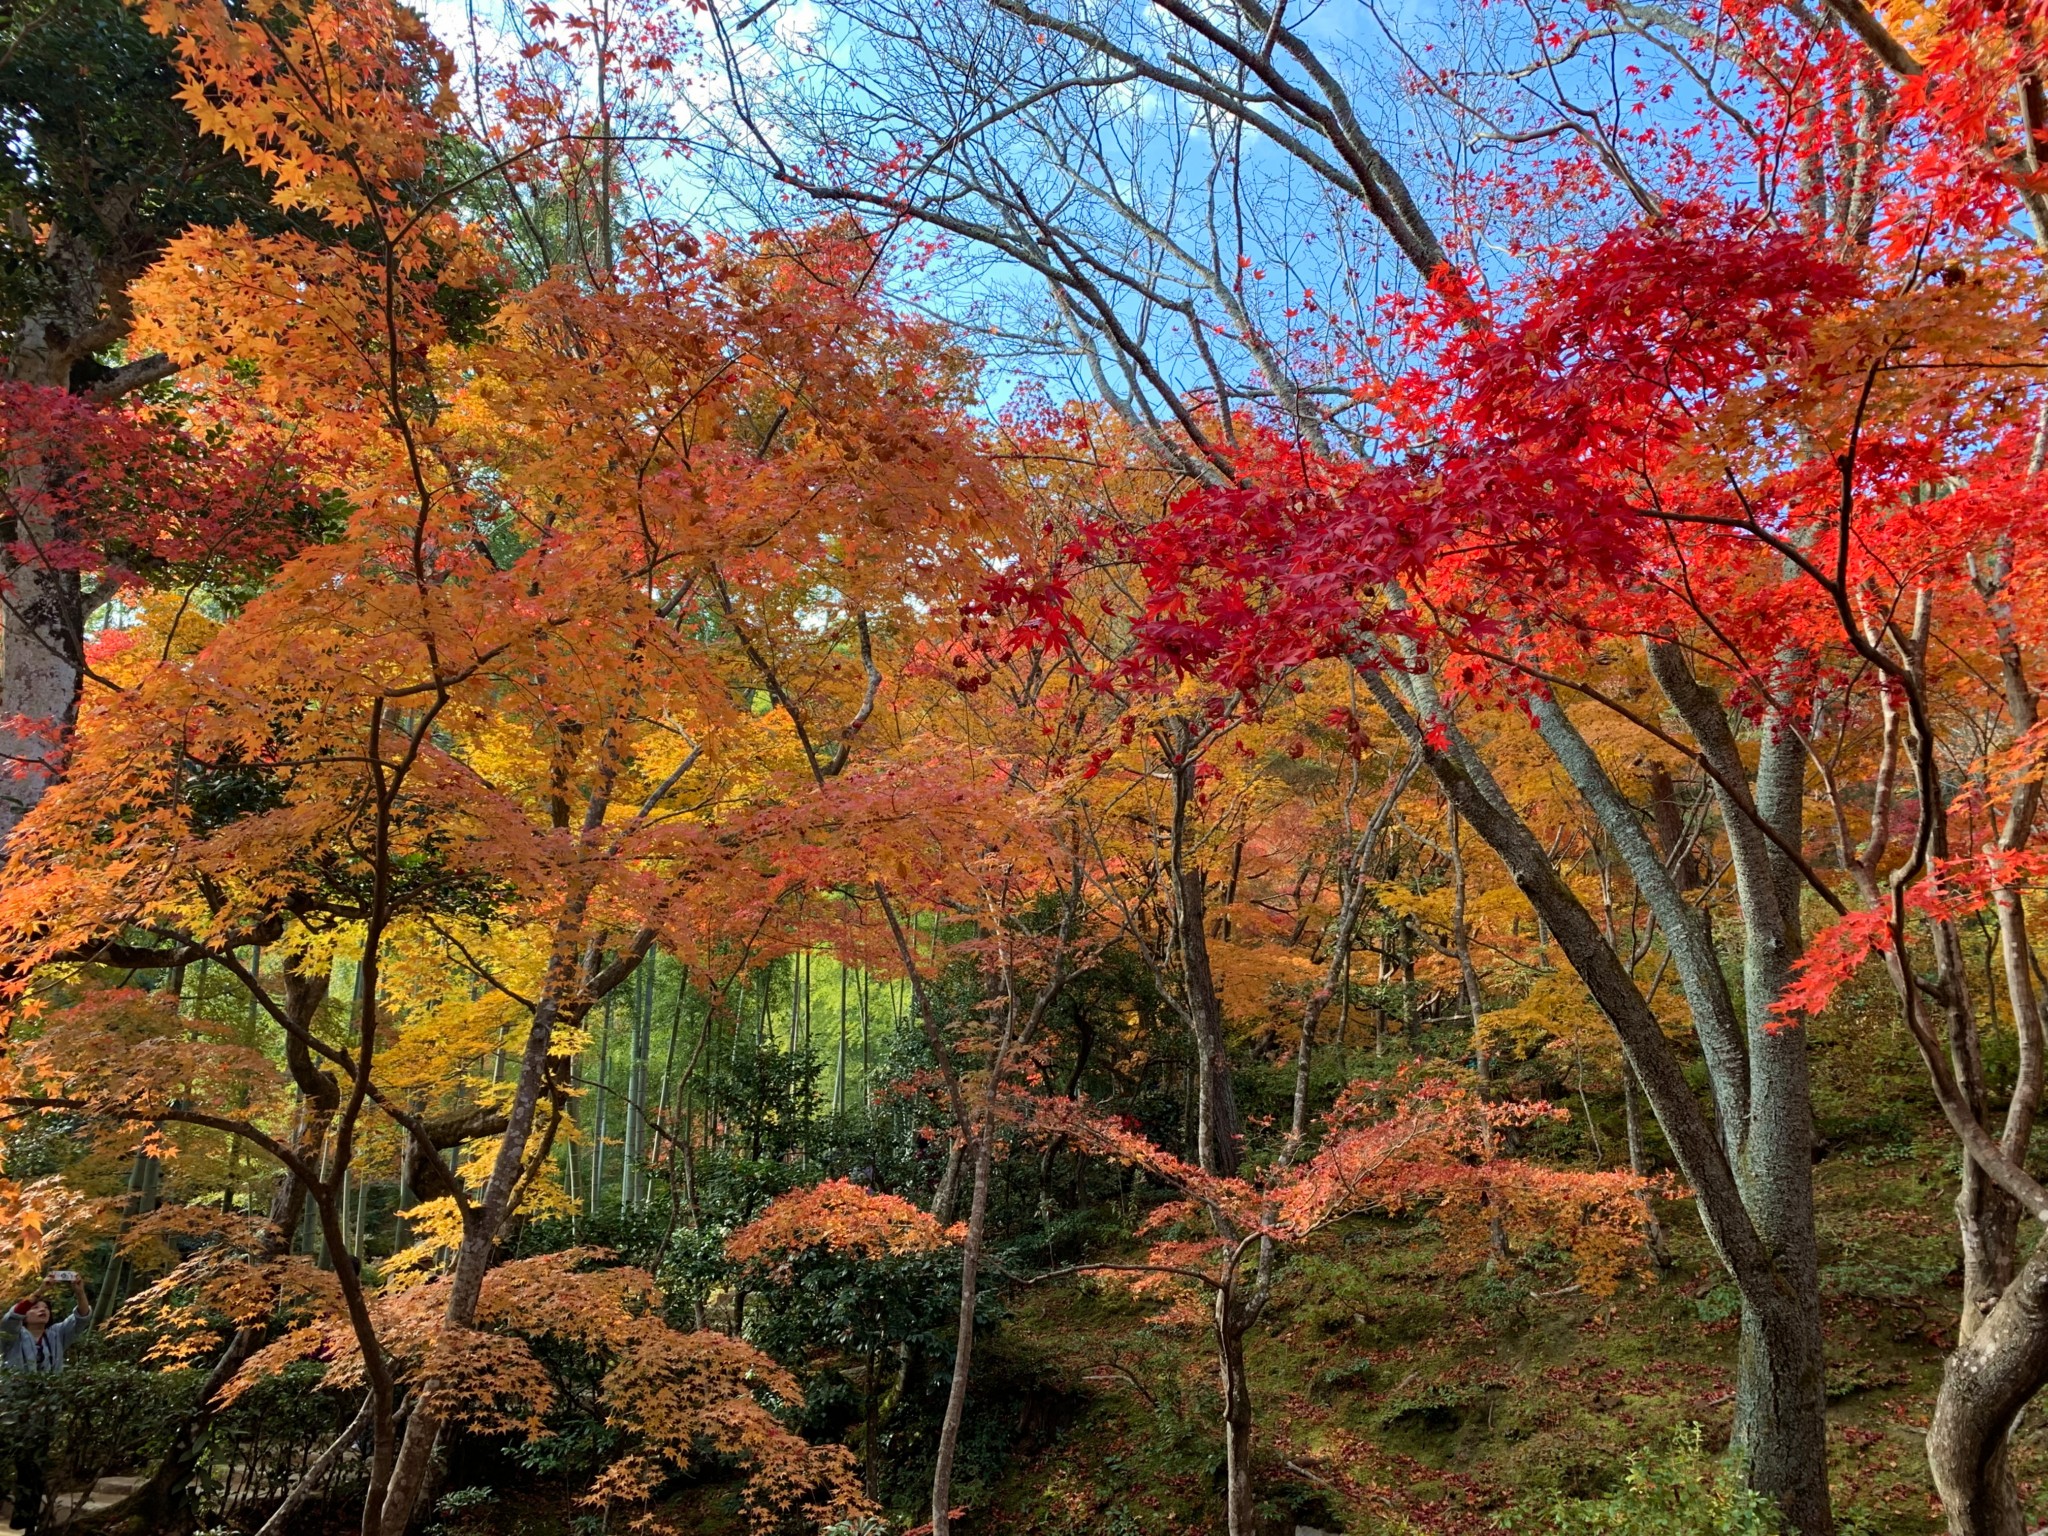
(1150, 766)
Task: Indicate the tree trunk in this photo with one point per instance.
(1781, 1407)
(411, 1466)
(1638, 1164)
(1976, 1408)
(963, 1338)
(946, 1198)
(1353, 889)
(1461, 945)
(1693, 957)
(42, 622)
(42, 626)
(1237, 1414)
(1216, 1124)
(634, 1155)
(1988, 1379)
(1757, 1068)
(1084, 1047)
(1785, 1452)
(1987, 1218)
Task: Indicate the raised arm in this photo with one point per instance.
(81, 1312)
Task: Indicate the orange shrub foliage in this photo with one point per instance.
(841, 1218)
(674, 1394)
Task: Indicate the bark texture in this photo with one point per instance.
(1781, 1390)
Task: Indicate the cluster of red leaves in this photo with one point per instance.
(1527, 456)
(1387, 1148)
(1952, 890)
(1968, 161)
(1639, 437)
(133, 494)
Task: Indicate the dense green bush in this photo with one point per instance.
(1673, 1490)
(96, 1417)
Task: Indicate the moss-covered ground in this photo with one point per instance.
(1395, 1395)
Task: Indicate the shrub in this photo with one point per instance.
(1677, 1490)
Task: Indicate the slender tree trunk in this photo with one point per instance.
(1084, 1047)
(1216, 1123)
(1238, 1487)
(408, 1479)
(963, 1345)
(1461, 944)
(1781, 1394)
(1337, 973)
(604, 1070)
(634, 1151)
(796, 976)
(839, 1067)
(1638, 1164)
(946, 1198)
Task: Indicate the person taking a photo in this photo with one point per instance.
(30, 1341)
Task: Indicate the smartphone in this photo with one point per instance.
(63, 1276)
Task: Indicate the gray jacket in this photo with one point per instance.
(20, 1352)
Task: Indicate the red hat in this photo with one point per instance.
(22, 1307)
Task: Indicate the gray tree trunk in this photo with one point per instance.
(1216, 1124)
(1986, 1382)
(1238, 1487)
(963, 1336)
(42, 625)
(1781, 1389)
(1780, 1397)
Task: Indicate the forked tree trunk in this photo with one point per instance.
(1752, 1221)
(1988, 1379)
(2001, 1355)
(392, 1513)
(1756, 1067)
(1988, 1220)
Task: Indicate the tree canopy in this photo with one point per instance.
(755, 760)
